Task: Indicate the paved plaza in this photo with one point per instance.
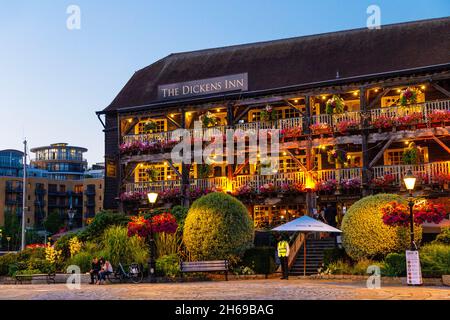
(241, 290)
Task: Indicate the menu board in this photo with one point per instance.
(414, 273)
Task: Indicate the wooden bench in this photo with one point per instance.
(50, 277)
(205, 266)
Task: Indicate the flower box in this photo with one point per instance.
(320, 128)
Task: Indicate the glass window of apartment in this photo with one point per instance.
(62, 188)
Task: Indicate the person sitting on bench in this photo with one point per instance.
(95, 269)
(105, 270)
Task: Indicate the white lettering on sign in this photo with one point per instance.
(236, 82)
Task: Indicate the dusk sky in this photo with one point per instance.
(54, 79)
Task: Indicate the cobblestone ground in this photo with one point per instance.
(241, 290)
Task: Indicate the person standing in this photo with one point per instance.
(283, 254)
(330, 215)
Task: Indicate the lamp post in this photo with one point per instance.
(8, 238)
(410, 182)
(1, 237)
(71, 214)
(152, 197)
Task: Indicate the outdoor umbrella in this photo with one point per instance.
(306, 224)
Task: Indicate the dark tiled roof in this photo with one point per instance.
(301, 60)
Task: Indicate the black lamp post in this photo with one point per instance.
(71, 214)
(152, 197)
(8, 239)
(410, 181)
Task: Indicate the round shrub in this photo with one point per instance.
(168, 266)
(364, 235)
(395, 265)
(217, 226)
(435, 259)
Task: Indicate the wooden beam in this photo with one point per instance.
(441, 143)
(173, 121)
(236, 119)
(296, 160)
(240, 167)
(293, 106)
(439, 88)
(381, 152)
(378, 98)
(169, 161)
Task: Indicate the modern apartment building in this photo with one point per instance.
(355, 111)
(56, 181)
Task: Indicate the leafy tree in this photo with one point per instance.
(53, 222)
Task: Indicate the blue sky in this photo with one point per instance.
(52, 80)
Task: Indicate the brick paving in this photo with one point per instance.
(240, 290)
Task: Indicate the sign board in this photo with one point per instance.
(235, 82)
(413, 271)
(111, 169)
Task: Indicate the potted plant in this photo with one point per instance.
(347, 125)
(335, 105)
(411, 154)
(208, 120)
(383, 122)
(150, 126)
(336, 155)
(268, 114)
(408, 96)
(320, 128)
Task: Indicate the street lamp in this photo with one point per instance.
(71, 214)
(410, 182)
(152, 197)
(8, 238)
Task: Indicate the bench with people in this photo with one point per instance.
(100, 270)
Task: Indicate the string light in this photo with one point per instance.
(422, 87)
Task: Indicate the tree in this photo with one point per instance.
(53, 222)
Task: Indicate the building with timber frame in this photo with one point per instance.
(356, 109)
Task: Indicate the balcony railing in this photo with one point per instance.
(332, 120)
(255, 181)
(429, 172)
(157, 186)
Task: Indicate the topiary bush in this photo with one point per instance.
(218, 226)
(366, 236)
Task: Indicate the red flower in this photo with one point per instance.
(164, 222)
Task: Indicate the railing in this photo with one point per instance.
(338, 174)
(279, 179)
(157, 186)
(290, 123)
(428, 171)
(425, 109)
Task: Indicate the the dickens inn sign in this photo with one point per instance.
(235, 82)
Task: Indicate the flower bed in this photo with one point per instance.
(327, 186)
(345, 126)
(383, 122)
(409, 119)
(320, 128)
(291, 132)
(385, 181)
(439, 116)
(351, 184)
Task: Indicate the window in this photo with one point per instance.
(394, 157)
(161, 126)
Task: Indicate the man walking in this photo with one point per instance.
(283, 254)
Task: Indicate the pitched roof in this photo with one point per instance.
(300, 60)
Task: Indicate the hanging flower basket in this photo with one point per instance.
(408, 96)
(335, 105)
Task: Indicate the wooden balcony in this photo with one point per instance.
(425, 110)
(255, 181)
(428, 173)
